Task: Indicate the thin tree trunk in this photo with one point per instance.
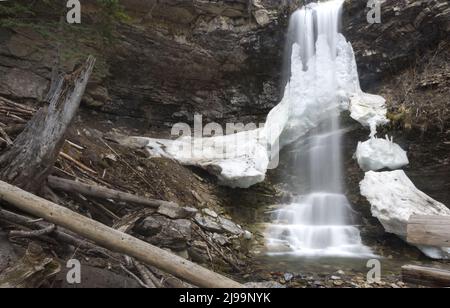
(29, 161)
(103, 192)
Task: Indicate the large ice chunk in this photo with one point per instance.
(376, 154)
(394, 199)
(369, 110)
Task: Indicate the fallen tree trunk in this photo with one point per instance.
(28, 162)
(426, 276)
(113, 239)
(102, 192)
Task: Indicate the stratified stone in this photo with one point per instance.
(230, 226)
(208, 223)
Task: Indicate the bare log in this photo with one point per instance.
(102, 192)
(426, 276)
(429, 230)
(59, 234)
(29, 160)
(113, 239)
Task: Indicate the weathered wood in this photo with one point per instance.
(35, 233)
(113, 239)
(426, 276)
(429, 231)
(29, 160)
(59, 234)
(102, 192)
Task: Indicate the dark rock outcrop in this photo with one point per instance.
(220, 59)
(170, 60)
(408, 28)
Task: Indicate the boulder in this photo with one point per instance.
(208, 223)
(218, 225)
(150, 226)
(174, 234)
(210, 212)
(165, 232)
(230, 227)
(394, 199)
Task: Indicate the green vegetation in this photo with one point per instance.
(110, 12)
(92, 37)
(21, 13)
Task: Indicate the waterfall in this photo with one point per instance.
(319, 223)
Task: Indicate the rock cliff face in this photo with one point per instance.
(223, 59)
(170, 59)
(408, 28)
(218, 58)
(405, 58)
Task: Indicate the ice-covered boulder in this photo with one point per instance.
(394, 199)
(376, 154)
(369, 110)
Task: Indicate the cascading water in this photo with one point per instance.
(320, 223)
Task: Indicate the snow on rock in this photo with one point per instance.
(376, 154)
(369, 110)
(238, 160)
(394, 199)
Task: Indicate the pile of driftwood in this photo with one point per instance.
(32, 142)
(13, 117)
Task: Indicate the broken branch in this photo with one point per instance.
(35, 233)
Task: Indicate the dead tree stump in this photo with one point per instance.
(30, 159)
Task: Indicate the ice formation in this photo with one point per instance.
(394, 199)
(319, 223)
(242, 160)
(376, 154)
(369, 110)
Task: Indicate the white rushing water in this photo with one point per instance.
(320, 223)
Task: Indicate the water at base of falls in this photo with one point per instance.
(320, 223)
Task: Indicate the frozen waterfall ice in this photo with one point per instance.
(320, 223)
